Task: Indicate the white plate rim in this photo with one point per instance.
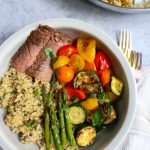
(73, 23)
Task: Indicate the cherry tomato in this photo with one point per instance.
(67, 50)
(61, 61)
(101, 61)
(77, 62)
(65, 74)
(75, 93)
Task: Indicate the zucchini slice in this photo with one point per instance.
(111, 115)
(85, 77)
(86, 136)
(77, 114)
(116, 86)
(90, 88)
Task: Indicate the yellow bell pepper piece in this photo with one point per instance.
(87, 49)
(90, 104)
(61, 61)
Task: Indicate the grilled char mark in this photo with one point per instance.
(35, 43)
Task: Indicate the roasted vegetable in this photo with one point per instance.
(102, 97)
(87, 49)
(67, 50)
(101, 61)
(88, 81)
(65, 74)
(91, 88)
(112, 96)
(90, 104)
(77, 114)
(85, 77)
(90, 66)
(97, 118)
(111, 115)
(77, 62)
(75, 100)
(71, 92)
(86, 136)
(69, 130)
(105, 76)
(61, 61)
(116, 86)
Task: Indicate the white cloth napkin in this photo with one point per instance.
(139, 136)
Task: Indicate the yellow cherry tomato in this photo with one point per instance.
(61, 61)
(87, 49)
(77, 62)
(90, 104)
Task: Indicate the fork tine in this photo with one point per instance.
(134, 59)
(137, 60)
(129, 43)
(140, 61)
(121, 39)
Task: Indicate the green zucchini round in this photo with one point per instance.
(77, 114)
(86, 136)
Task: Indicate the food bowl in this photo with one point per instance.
(108, 138)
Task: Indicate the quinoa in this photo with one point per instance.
(122, 3)
(20, 97)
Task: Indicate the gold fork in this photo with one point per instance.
(134, 58)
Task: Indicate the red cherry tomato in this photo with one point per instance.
(101, 61)
(67, 50)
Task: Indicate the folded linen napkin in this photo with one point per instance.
(138, 137)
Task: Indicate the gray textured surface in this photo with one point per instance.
(15, 14)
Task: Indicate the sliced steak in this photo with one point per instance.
(41, 69)
(28, 52)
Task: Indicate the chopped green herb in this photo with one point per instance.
(92, 95)
(49, 52)
(75, 99)
(97, 118)
(103, 95)
(36, 92)
(29, 123)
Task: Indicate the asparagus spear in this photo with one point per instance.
(69, 129)
(48, 133)
(63, 135)
(55, 129)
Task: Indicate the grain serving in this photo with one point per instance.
(122, 3)
(21, 97)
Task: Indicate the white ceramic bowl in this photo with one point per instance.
(108, 138)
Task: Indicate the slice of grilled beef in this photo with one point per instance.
(28, 52)
(31, 57)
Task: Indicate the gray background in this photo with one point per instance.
(15, 14)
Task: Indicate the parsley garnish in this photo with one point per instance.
(49, 52)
